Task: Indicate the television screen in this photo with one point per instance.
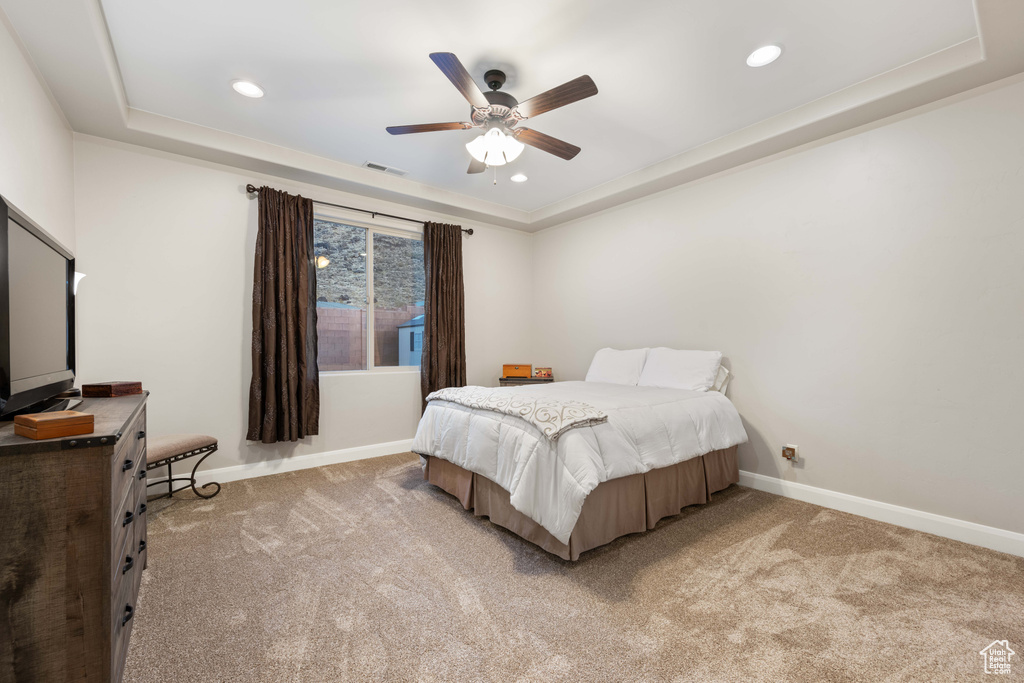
(37, 316)
(38, 308)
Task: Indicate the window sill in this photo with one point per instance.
(401, 370)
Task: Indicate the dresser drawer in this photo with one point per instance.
(130, 557)
(131, 538)
(142, 553)
(122, 612)
(125, 521)
(125, 559)
(129, 455)
(127, 578)
(141, 523)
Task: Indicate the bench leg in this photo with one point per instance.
(205, 452)
(212, 483)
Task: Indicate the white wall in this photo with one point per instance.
(167, 243)
(867, 291)
(36, 149)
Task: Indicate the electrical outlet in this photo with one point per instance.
(790, 451)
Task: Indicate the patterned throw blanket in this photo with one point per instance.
(553, 417)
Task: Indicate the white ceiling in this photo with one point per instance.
(671, 73)
(677, 101)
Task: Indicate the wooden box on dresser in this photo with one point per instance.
(72, 546)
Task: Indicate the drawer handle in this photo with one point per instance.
(142, 509)
(127, 464)
(142, 474)
(129, 562)
(142, 546)
(141, 434)
(128, 614)
(128, 518)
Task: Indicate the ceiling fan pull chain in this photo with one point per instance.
(495, 169)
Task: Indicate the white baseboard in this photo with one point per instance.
(968, 532)
(298, 462)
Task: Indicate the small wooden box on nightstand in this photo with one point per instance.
(522, 370)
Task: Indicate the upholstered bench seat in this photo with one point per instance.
(162, 447)
(169, 449)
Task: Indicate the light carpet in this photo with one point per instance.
(364, 572)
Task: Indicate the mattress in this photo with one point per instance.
(549, 480)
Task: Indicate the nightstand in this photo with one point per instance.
(523, 381)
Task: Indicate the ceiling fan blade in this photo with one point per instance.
(567, 93)
(427, 128)
(546, 143)
(450, 65)
(476, 167)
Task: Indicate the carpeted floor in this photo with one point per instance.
(364, 572)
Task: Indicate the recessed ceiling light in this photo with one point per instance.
(518, 178)
(247, 88)
(764, 55)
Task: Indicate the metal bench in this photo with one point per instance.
(167, 450)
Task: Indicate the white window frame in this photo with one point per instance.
(333, 215)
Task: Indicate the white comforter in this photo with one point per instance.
(548, 480)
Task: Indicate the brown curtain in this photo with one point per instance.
(444, 325)
(284, 396)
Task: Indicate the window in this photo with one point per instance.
(357, 265)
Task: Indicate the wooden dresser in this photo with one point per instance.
(72, 546)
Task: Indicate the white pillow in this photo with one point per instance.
(672, 369)
(617, 367)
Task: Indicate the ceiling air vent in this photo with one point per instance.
(385, 169)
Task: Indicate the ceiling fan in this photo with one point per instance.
(501, 114)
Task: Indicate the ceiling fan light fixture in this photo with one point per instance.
(495, 148)
(763, 56)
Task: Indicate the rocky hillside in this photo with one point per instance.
(397, 268)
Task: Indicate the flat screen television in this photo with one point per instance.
(37, 315)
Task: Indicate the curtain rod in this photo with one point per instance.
(252, 189)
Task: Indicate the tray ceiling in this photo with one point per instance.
(672, 78)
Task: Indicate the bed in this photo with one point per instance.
(571, 466)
